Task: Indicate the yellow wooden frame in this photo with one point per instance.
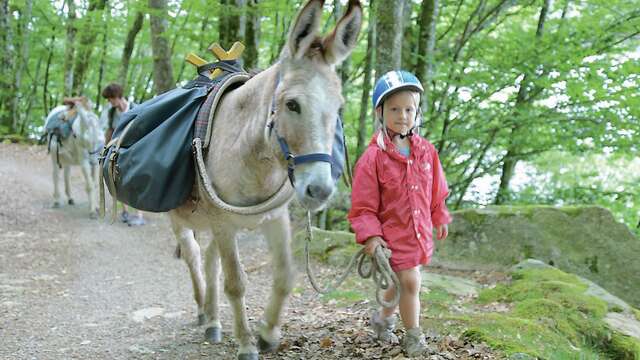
(233, 54)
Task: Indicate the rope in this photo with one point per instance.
(379, 270)
(278, 199)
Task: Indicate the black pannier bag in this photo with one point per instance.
(148, 164)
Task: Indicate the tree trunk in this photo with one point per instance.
(366, 85)
(18, 95)
(389, 27)
(231, 22)
(91, 21)
(31, 98)
(101, 70)
(128, 48)
(45, 84)
(426, 46)
(162, 72)
(252, 36)
(69, 48)
(511, 158)
(7, 59)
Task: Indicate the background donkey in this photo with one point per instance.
(297, 99)
(79, 147)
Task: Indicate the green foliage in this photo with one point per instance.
(579, 79)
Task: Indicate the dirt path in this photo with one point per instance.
(72, 288)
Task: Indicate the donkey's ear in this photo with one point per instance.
(305, 28)
(339, 44)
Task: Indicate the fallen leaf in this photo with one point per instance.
(326, 342)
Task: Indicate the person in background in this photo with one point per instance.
(110, 118)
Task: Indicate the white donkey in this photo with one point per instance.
(80, 147)
(297, 101)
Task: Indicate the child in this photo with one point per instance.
(110, 117)
(398, 197)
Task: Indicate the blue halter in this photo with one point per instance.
(291, 158)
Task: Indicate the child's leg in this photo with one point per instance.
(383, 321)
(389, 294)
(409, 297)
(413, 343)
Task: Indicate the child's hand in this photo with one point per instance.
(442, 231)
(372, 243)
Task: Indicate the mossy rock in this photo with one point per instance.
(331, 247)
(587, 241)
(551, 317)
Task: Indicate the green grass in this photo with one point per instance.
(344, 297)
(436, 301)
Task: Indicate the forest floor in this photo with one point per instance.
(71, 287)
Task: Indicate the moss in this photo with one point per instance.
(637, 313)
(332, 247)
(472, 216)
(519, 335)
(616, 309)
(623, 347)
(552, 317)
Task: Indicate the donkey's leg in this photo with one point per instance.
(235, 281)
(90, 187)
(190, 252)
(94, 174)
(213, 332)
(67, 184)
(278, 235)
(56, 183)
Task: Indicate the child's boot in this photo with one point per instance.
(414, 343)
(384, 328)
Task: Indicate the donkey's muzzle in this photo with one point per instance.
(319, 192)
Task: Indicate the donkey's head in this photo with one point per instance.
(86, 126)
(308, 97)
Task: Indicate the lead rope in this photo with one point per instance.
(276, 200)
(379, 270)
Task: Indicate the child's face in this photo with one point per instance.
(399, 111)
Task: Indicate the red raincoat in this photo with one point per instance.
(400, 199)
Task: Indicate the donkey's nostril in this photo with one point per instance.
(318, 192)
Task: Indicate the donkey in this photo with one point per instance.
(80, 147)
(296, 100)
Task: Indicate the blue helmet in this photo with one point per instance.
(392, 82)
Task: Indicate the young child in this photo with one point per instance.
(398, 197)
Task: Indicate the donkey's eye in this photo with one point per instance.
(293, 105)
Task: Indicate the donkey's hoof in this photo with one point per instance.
(265, 346)
(56, 205)
(201, 319)
(213, 335)
(93, 215)
(71, 202)
(250, 356)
